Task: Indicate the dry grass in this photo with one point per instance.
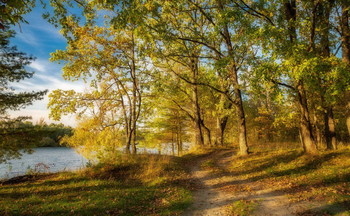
(323, 178)
(137, 185)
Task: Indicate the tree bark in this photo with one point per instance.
(307, 137)
(306, 133)
(179, 141)
(317, 131)
(134, 99)
(232, 71)
(221, 126)
(330, 133)
(345, 38)
(173, 143)
(291, 16)
(199, 136)
(330, 129)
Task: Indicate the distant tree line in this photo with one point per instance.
(18, 134)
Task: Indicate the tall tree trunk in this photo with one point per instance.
(345, 38)
(217, 132)
(199, 136)
(172, 144)
(330, 129)
(243, 144)
(221, 126)
(232, 70)
(179, 143)
(318, 131)
(242, 129)
(330, 134)
(207, 141)
(305, 123)
(222, 121)
(305, 130)
(134, 104)
(127, 148)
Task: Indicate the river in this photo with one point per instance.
(44, 159)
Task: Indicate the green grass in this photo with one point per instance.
(134, 189)
(242, 208)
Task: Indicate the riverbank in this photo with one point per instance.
(142, 185)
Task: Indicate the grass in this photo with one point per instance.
(323, 178)
(242, 208)
(142, 185)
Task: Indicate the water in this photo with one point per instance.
(44, 159)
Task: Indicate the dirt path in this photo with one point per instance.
(215, 194)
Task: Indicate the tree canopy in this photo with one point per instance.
(231, 71)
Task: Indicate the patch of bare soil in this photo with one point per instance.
(218, 189)
(26, 178)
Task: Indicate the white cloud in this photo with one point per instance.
(47, 76)
(37, 65)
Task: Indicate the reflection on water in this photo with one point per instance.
(44, 159)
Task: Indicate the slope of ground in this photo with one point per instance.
(276, 183)
(144, 185)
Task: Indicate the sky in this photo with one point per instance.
(39, 38)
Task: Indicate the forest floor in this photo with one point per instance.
(214, 182)
(278, 183)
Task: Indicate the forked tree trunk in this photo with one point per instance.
(232, 70)
(207, 141)
(306, 134)
(221, 126)
(222, 121)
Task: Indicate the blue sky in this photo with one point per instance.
(39, 38)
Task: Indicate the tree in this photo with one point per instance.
(12, 69)
(206, 59)
(221, 29)
(11, 12)
(301, 46)
(110, 57)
